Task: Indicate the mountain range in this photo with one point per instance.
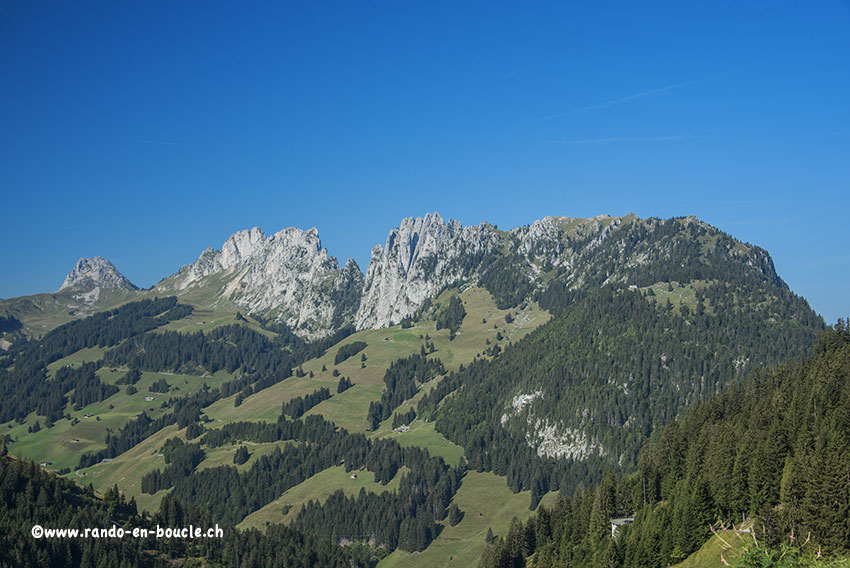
(290, 278)
(395, 408)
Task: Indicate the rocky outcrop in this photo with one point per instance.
(421, 257)
(93, 273)
(287, 277)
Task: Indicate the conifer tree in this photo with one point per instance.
(241, 456)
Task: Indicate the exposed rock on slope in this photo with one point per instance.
(421, 257)
(96, 272)
(94, 284)
(287, 277)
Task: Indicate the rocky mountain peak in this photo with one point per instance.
(95, 272)
(288, 277)
(421, 256)
(351, 265)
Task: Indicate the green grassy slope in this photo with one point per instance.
(40, 313)
(317, 488)
(66, 440)
(487, 503)
(723, 546)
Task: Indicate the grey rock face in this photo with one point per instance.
(421, 256)
(287, 277)
(92, 273)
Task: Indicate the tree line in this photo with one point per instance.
(24, 387)
(296, 407)
(348, 350)
(421, 500)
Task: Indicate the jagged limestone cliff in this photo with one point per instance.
(421, 257)
(287, 277)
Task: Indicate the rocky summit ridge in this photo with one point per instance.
(289, 277)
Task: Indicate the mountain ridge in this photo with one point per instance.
(290, 278)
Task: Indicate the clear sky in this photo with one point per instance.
(145, 132)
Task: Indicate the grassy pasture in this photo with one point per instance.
(317, 488)
(487, 503)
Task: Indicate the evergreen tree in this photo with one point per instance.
(343, 385)
(241, 456)
(455, 515)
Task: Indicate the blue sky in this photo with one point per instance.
(148, 132)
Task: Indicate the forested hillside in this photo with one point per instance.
(610, 369)
(775, 448)
(30, 496)
(23, 371)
